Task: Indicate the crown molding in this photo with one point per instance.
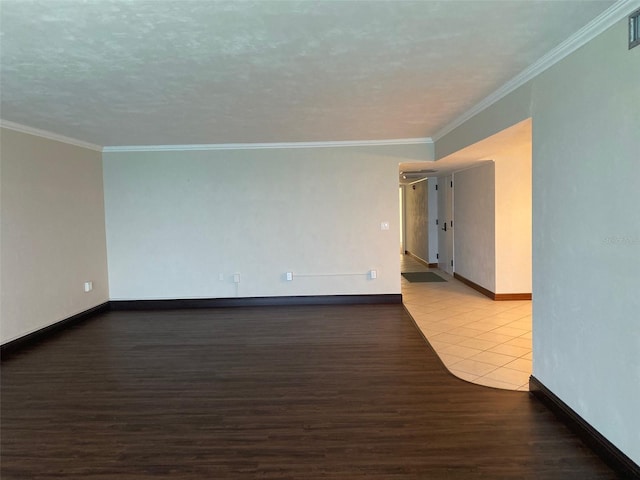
(602, 22)
(260, 146)
(215, 146)
(49, 135)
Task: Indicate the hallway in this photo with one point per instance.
(478, 339)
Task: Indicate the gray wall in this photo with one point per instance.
(52, 232)
(417, 220)
(512, 109)
(586, 227)
(474, 225)
(586, 230)
(177, 221)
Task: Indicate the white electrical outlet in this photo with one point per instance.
(384, 226)
(373, 274)
(236, 278)
(88, 286)
(289, 276)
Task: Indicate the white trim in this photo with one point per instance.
(49, 135)
(431, 175)
(606, 19)
(256, 146)
(216, 146)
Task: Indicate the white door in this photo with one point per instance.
(445, 224)
(402, 219)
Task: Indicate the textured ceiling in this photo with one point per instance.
(203, 72)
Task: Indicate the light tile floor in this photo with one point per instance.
(478, 339)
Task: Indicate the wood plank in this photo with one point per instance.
(331, 392)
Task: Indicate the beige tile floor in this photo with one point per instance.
(478, 339)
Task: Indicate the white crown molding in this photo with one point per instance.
(606, 19)
(258, 146)
(50, 135)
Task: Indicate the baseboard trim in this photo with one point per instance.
(255, 302)
(621, 463)
(488, 293)
(6, 349)
(511, 296)
(420, 260)
(12, 346)
(475, 286)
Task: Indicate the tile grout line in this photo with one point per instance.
(452, 297)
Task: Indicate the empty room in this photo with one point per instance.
(241, 239)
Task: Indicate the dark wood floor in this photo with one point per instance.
(342, 392)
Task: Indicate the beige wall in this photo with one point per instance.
(513, 219)
(52, 232)
(176, 221)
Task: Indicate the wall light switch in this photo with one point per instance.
(384, 226)
(236, 278)
(289, 276)
(373, 274)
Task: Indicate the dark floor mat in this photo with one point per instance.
(423, 277)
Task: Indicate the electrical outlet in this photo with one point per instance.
(88, 286)
(384, 225)
(236, 278)
(289, 276)
(373, 274)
